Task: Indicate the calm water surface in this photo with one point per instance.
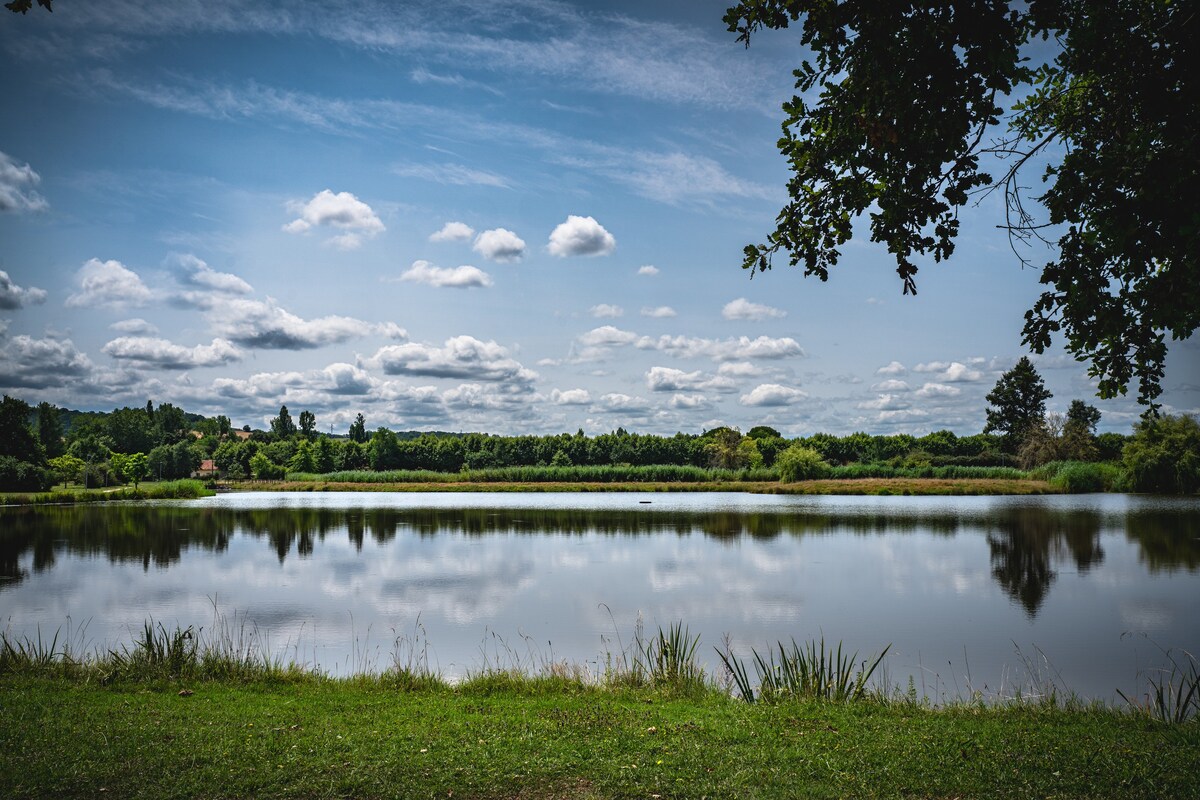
(972, 593)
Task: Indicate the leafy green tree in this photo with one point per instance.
(50, 430)
(1079, 431)
(303, 460)
(21, 6)
(263, 468)
(384, 450)
(560, 459)
(67, 468)
(16, 438)
(901, 115)
(1018, 405)
(358, 429)
(136, 468)
(324, 456)
(308, 424)
(800, 463)
(131, 430)
(1163, 455)
(282, 425)
(171, 424)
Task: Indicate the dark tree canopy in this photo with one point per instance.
(1018, 405)
(283, 426)
(22, 6)
(917, 101)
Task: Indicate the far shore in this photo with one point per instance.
(851, 486)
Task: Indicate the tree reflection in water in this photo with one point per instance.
(1026, 543)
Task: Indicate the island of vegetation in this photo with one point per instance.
(49, 454)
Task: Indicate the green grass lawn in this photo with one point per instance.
(549, 738)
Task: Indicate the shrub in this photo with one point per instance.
(1164, 455)
(21, 476)
(800, 463)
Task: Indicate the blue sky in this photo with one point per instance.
(518, 217)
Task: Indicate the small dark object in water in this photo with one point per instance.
(644, 502)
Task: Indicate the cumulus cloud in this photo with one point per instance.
(738, 369)
(606, 311)
(894, 368)
(254, 323)
(886, 402)
(13, 297)
(890, 385)
(453, 232)
(597, 343)
(743, 309)
(668, 379)
(30, 363)
(460, 357)
(499, 244)
(192, 271)
(938, 390)
(463, 277)
(580, 236)
(741, 348)
(108, 284)
(571, 397)
(17, 184)
(134, 327)
(616, 401)
(152, 352)
(687, 402)
(658, 312)
(772, 394)
(342, 211)
(648, 269)
(949, 372)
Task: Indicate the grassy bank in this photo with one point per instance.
(188, 714)
(851, 486)
(498, 736)
(162, 490)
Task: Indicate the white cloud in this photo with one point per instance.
(571, 397)
(108, 284)
(500, 244)
(949, 372)
(451, 175)
(668, 379)
(463, 277)
(453, 232)
(30, 363)
(933, 390)
(894, 368)
(886, 402)
(890, 385)
(744, 309)
(772, 394)
(658, 312)
(676, 178)
(738, 369)
(580, 236)
(616, 401)
(17, 183)
(147, 351)
(253, 323)
(460, 357)
(606, 311)
(134, 327)
(597, 343)
(13, 297)
(192, 271)
(740, 348)
(683, 402)
(648, 270)
(342, 211)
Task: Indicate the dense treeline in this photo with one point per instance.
(47, 445)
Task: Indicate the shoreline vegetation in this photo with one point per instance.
(184, 713)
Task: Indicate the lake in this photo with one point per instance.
(972, 593)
